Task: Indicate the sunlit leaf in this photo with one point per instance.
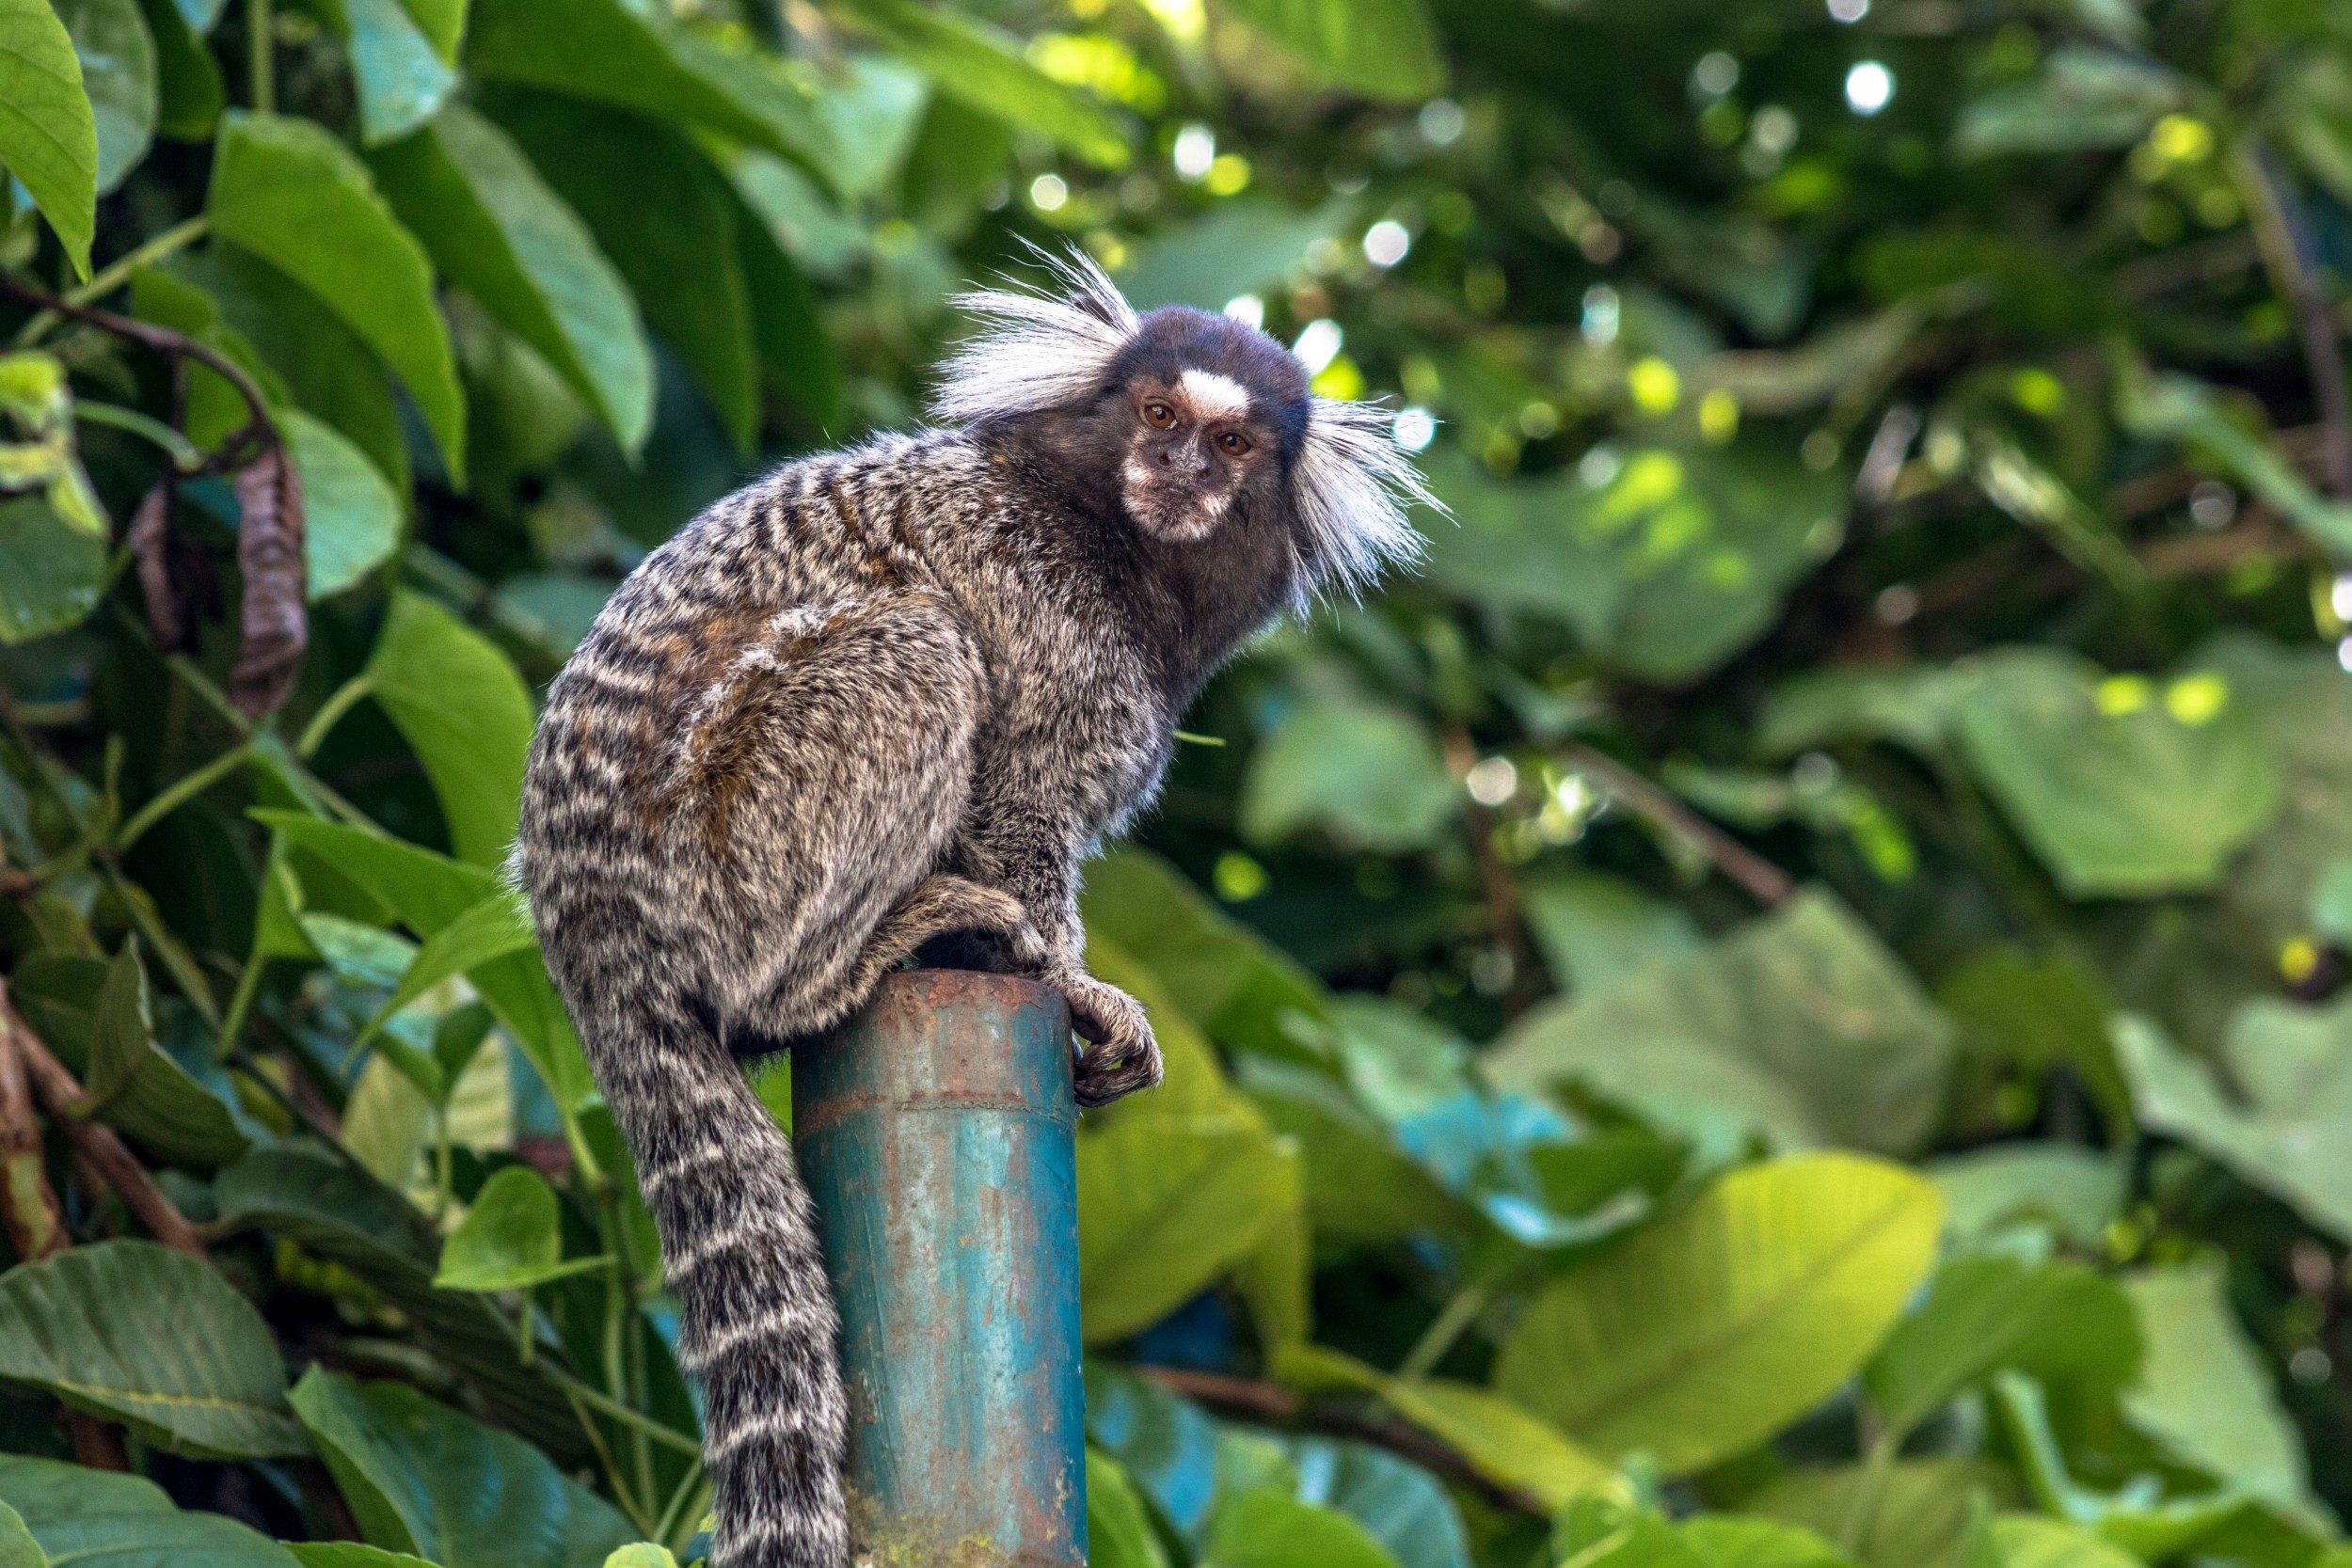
(48, 139)
(465, 712)
(1382, 48)
(510, 1238)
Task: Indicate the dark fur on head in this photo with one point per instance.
(1195, 430)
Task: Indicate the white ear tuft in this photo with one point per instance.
(1352, 482)
(1036, 351)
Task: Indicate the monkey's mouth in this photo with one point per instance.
(1175, 513)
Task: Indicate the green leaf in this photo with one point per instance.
(511, 1238)
(2292, 1133)
(2076, 1191)
(1729, 1541)
(160, 1105)
(351, 516)
(666, 218)
(350, 1554)
(309, 362)
(117, 57)
(2304, 704)
(48, 139)
(1165, 1205)
(136, 1332)
(18, 1549)
(2083, 98)
(1361, 1188)
(2170, 406)
(102, 1519)
(492, 226)
(1366, 772)
(1265, 1528)
(1235, 248)
(189, 83)
(422, 1479)
(642, 1554)
(402, 80)
(1982, 1314)
(2038, 1012)
(287, 191)
(1228, 978)
(636, 57)
(458, 703)
(983, 68)
(793, 344)
(50, 572)
(1923, 1508)
(1800, 1024)
(1399, 1503)
(1911, 704)
(337, 1213)
(1502, 1440)
(1119, 1532)
(2204, 1393)
(1666, 568)
(442, 20)
(2121, 786)
(121, 1033)
(2036, 1541)
(1593, 927)
(1381, 48)
(1714, 1328)
(491, 930)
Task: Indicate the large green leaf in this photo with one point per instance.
(488, 931)
(1593, 927)
(1712, 1329)
(117, 57)
(1118, 1531)
(2291, 1133)
(464, 711)
(1921, 1509)
(1800, 1024)
(494, 226)
(2082, 98)
(337, 1213)
(1266, 1528)
(2120, 787)
(189, 90)
(48, 139)
(2037, 1540)
(1981, 1314)
(667, 219)
(512, 1237)
(2303, 698)
(351, 517)
(422, 1478)
(2075, 1192)
(636, 57)
(1366, 772)
(1360, 1187)
(1382, 48)
(1166, 1204)
(18, 1549)
(287, 191)
(401, 78)
(50, 572)
(350, 1554)
(982, 67)
(138, 1334)
(153, 1099)
(1666, 568)
(2203, 1391)
(1236, 249)
(102, 1519)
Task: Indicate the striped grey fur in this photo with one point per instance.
(885, 700)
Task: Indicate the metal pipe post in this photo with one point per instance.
(935, 1134)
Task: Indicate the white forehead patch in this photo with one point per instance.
(1214, 396)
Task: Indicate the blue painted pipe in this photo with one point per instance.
(935, 1134)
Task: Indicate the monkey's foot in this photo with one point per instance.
(1124, 1057)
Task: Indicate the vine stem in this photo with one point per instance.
(260, 58)
(183, 790)
(116, 272)
(1766, 881)
(2282, 232)
(1458, 1313)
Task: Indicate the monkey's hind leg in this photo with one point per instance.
(944, 904)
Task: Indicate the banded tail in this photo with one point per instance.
(757, 1324)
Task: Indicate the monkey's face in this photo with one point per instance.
(1196, 443)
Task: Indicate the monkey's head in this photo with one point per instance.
(1197, 429)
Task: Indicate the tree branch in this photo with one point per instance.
(58, 1092)
(1273, 1401)
(1768, 883)
(2290, 252)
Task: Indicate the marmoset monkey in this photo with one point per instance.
(887, 696)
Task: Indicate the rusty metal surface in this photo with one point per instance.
(935, 1134)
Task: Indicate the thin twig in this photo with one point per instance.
(1274, 1401)
(2290, 252)
(59, 1092)
(1768, 883)
(259, 432)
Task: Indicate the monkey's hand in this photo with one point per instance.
(1122, 1057)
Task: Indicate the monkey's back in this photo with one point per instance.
(764, 740)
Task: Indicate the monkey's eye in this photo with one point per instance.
(1159, 416)
(1233, 442)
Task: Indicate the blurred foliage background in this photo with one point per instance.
(1775, 1005)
